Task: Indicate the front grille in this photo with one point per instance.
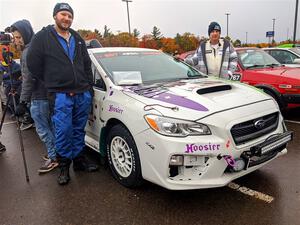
(255, 128)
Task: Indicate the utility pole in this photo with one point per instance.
(273, 30)
(246, 37)
(128, 13)
(295, 22)
(227, 14)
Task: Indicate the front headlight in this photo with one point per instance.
(175, 127)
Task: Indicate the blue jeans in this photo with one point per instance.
(69, 119)
(41, 115)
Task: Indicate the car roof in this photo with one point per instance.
(247, 48)
(277, 48)
(121, 49)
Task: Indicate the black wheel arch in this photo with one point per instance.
(274, 93)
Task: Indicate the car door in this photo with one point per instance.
(95, 123)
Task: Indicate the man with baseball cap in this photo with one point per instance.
(215, 56)
(58, 57)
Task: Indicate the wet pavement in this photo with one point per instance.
(96, 198)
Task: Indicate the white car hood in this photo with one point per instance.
(196, 98)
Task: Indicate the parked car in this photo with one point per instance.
(287, 56)
(158, 119)
(259, 69)
(186, 55)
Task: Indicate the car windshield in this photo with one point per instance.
(252, 58)
(144, 67)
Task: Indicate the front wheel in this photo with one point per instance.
(123, 157)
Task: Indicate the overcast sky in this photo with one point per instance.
(170, 16)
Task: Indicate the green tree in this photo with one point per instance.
(156, 34)
(107, 33)
(237, 43)
(136, 33)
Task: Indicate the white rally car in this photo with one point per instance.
(158, 119)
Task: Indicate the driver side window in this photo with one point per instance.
(98, 81)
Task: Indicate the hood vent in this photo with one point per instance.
(208, 90)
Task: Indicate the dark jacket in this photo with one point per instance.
(32, 89)
(48, 62)
(15, 74)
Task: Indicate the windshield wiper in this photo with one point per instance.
(254, 66)
(196, 76)
(272, 65)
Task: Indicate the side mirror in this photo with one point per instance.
(296, 61)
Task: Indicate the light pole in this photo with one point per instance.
(128, 13)
(295, 22)
(227, 14)
(246, 37)
(273, 29)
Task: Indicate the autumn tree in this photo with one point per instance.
(169, 45)
(147, 41)
(124, 39)
(186, 42)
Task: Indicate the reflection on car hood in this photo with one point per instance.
(193, 99)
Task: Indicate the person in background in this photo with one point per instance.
(58, 57)
(11, 79)
(215, 56)
(34, 93)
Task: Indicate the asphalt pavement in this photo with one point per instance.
(96, 198)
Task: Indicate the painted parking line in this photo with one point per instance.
(292, 121)
(247, 191)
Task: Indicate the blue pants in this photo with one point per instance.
(40, 113)
(70, 117)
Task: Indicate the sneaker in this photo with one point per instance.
(2, 148)
(25, 126)
(45, 157)
(48, 166)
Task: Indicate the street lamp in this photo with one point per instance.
(128, 13)
(246, 37)
(295, 22)
(273, 29)
(227, 14)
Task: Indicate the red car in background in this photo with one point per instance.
(258, 68)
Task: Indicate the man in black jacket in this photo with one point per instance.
(59, 58)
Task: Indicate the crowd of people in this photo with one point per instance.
(54, 85)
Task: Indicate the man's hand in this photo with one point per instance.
(21, 109)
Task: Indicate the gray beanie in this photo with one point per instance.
(62, 7)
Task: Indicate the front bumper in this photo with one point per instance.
(204, 165)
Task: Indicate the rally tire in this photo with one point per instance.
(123, 157)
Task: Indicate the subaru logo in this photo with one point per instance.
(259, 124)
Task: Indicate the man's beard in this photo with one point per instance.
(61, 27)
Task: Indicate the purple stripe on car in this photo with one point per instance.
(180, 101)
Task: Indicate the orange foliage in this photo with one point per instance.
(169, 45)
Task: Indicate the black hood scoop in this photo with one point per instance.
(213, 89)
